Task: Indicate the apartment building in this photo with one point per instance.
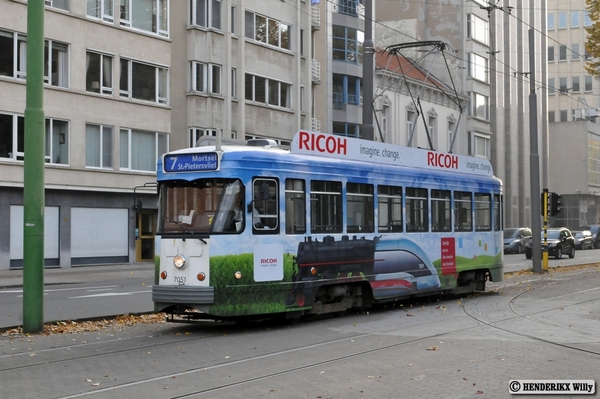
(126, 81)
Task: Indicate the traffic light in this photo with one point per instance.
(554, 204)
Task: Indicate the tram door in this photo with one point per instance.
(145, 235)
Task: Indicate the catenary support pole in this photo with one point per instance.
(534, 160)
(33, 184)
(368, 130)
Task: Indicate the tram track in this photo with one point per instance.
(328, 349)
(511, 306)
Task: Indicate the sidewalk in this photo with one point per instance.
(82, 274)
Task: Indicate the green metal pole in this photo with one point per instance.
(33, 184)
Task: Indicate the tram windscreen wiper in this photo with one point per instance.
(190, 232)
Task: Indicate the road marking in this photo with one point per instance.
(105, 294)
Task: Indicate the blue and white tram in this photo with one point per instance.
(334, 223)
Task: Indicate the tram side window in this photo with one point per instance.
(441, 211)
(265, 211)
(462, 211)
(497, 212)
(295, 206)
(483, 212)
(359, 208)
(325, 207)
(389, 208)
(416, 210)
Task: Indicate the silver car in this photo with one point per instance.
(516, 239)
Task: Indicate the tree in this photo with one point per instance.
(593, 39)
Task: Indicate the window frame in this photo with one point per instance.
(101, 10)
(326, 207)
(283, 41)
(162, 6)
(105, 88)
(210, 21)
(251, 92)
(295, 206)
(126, 151)
(105, 155)
(161, 81)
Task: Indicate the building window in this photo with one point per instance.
(562, 20)
(267, 30)
(551, 116)
(346, 129)
(12, 139)
(562, 85)
(147, 15)
(101, 9)
(99, 146)
(233, 83)
(206, 13)
(196, 133)
(205, 78)
(345, 90)
(478, 29)
(478, 67)
(574, 19)
(587, 21)
(56, 63)
(432, 129)
(13, 56)
(348, 44)
(12, 136)
(480, 145)
(564, 115)
(140, 149)
(57, 141)
(98, 75)
(411, 140)
(268, 91)
(588, 82)
(575, 52)
(550, 21)
(562, 52)
(575, 84)
(62, 4)
(550, 53)
(479, 106)
(233, 20)
(144, 81)
(550, 85)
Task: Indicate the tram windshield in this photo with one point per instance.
(204, 206)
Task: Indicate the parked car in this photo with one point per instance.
(595, 229)
(583, 239)
(515, 239)
(559, 241)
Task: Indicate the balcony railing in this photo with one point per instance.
(315, 71)
(315, 16)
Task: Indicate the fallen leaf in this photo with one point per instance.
(433, 348)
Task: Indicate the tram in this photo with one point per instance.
(333, 223)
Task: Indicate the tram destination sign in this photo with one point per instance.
(202, 162)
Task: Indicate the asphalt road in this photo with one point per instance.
(527, 327)
(81, 301)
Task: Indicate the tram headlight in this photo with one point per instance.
(179, 261)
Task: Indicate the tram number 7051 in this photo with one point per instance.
(179, 280)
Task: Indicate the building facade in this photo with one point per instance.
(573, 105)
(126, 81)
